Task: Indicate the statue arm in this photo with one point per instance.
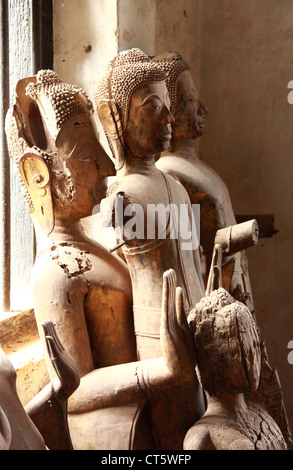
(61, 300)
(138, 381)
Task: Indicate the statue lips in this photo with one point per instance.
(200, 126)
(165, 140)
(167, 135)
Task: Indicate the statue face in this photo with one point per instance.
(191, 112)
(148, 129)
(83, 160)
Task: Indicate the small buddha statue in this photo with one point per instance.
(79, 286)
(228, 365)
(134, 109)
(203, 184)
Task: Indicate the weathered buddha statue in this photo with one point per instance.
(77, 284)
(203, 184)
(228, 364)
(133, 106)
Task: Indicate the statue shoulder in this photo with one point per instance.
(58, 270)
(198, 438)
(178, 191)
(216, 434)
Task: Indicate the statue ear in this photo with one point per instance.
(36, 177)
(110, 119)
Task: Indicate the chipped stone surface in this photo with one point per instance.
(71, 259)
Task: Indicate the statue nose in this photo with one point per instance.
(169, 118)
(203, 110)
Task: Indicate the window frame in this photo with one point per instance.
(26, 48)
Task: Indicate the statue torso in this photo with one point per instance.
(148, 258)
(97, 286)
(205, 187)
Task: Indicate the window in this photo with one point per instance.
(26, 47)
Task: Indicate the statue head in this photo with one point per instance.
(227, 344)
(53, 141)
(133, 106)
(187, 108)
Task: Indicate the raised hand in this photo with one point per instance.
(176, 340)
(68, 377)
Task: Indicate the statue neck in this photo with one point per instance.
(182, 147)
(61, 232)
(142, 165)
(67, 232)
(226, 404)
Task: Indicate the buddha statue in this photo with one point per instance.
(79, 286)
(134, 109)
(203, 184)
(228, 365)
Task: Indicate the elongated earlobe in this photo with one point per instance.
(36, 177)
(112, 125)
(109, 117)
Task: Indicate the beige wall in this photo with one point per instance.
(156, 26)
(240, 53)
(245, 66)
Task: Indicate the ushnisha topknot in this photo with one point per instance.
(62, 95)
(173, 64)
(123, 74)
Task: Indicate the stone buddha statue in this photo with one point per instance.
(133, 106)
(134, 109)
(203, 184)
(228, 364)
(77, 284)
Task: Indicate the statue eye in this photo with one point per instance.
(153, 105)
(85, 159)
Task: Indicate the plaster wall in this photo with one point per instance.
(157, 26)
(85, 37)
(245, 66)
